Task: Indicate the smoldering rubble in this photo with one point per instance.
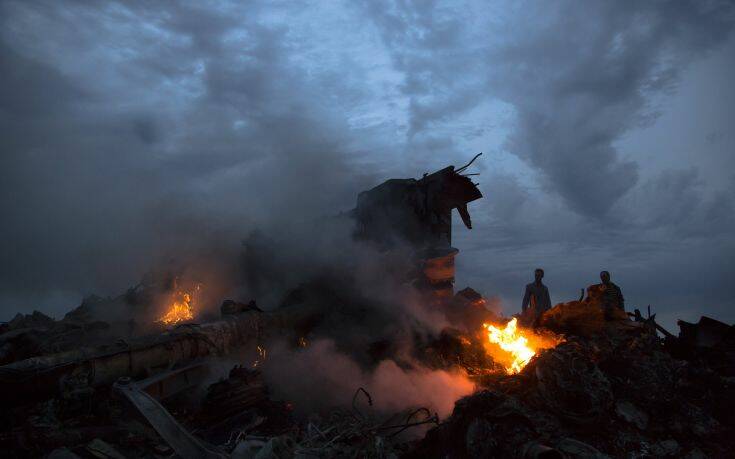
(373, 354)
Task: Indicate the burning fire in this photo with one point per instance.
(511, 340)
(180, 310)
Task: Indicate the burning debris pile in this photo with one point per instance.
(340, 368)
(618, 392)
(180, 309)
(156, 303)
(515, 345)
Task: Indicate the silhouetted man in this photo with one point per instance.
(536, 300)
(612, 296)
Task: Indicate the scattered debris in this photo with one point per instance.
(616, 393)
(605, 386)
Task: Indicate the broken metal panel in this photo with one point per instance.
(417, 212)
(167, 384)
(183, 442)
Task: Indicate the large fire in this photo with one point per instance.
(181, 309)
(515, 344)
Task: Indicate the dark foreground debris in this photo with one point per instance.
(615, 393)
(613, 388)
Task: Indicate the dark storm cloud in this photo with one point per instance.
(134, 130)
(159, 130)
(675, 201)
(427, 43)
(591, 72)
(578, 75)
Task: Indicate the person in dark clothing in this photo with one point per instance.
(612, 296)
(536, 299)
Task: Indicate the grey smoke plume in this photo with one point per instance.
(320, 377)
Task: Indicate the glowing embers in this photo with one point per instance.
(260, 357)
(514, 347)
(181, 308)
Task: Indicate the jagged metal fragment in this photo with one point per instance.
(180, 440)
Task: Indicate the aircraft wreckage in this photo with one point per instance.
(582, 385)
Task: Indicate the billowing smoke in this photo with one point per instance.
(319, 377)
(103, 180)
(366, 319)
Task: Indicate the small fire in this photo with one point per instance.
(180, 309)
(261, 354)
(511, 340)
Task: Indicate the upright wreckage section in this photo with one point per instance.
(418, 214)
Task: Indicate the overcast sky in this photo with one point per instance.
(132, 129)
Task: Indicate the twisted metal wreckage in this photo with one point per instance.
(152, 368)
(539, 412)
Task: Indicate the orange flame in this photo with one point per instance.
(511, 340)
(179, 311)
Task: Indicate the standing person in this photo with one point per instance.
(612, 296)
(536, 300)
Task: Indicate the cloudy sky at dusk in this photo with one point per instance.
(133, 128)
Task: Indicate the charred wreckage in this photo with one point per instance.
(581, 384)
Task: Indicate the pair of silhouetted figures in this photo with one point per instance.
(536, 299)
